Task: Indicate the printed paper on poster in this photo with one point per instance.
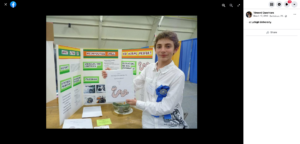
(119, 85)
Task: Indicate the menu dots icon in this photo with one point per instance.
(294, 4)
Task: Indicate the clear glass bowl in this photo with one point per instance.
(121, 108)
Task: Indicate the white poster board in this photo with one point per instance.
(69, 81)
(79, 74)
(93, 62)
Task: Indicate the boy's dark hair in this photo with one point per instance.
(167, 34)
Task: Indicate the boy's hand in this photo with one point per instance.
(104, 74)
(131, 101)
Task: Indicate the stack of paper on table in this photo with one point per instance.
(77, 123)
(102, 127)
(94, 111)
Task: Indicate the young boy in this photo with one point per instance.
(163, 85)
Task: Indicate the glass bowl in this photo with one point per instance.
(121, 108)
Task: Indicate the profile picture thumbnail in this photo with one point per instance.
(248, 14)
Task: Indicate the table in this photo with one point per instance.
(133, 120)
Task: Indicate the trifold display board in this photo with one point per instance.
(79, 74)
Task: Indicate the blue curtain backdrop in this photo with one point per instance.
(185, 56)
(193, 66)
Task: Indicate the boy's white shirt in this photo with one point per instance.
(149, 80)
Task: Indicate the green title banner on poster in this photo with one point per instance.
(64, 68)
(91, 79)
(76, 80)
(66, 52)
(92, 66)
(129, 65)
(100, 53)
(65, 84)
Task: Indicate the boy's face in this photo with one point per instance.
(165, 49)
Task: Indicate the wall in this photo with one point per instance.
(115, 31)
(50, 70)
(194, 35)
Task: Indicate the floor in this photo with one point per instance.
(189, 103)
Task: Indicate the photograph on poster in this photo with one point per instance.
(89, 89)
(89, 99)
(100, 88)
(101, 99)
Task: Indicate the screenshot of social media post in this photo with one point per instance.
(271, 71)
